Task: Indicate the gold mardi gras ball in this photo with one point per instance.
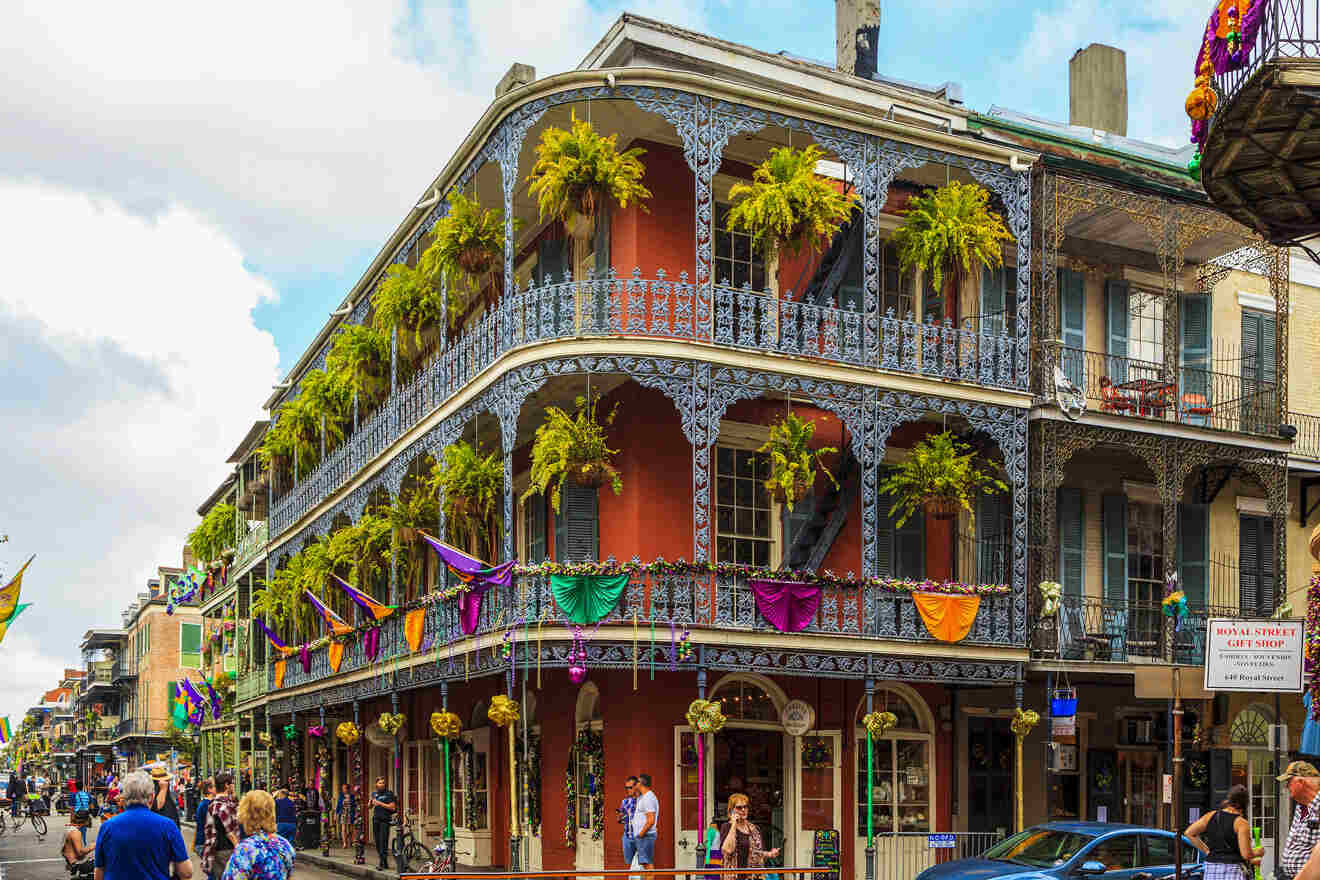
(347, 733)
(392, 724)
(1024, 720)
(706, 716)
(503, 712)
(877, 724)
(446, 725)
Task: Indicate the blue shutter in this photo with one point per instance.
(1193, 552)
(1114, 541)
(1072, 542)
(1259, 371)
(577, 536)
(1072, 324)
(1116, 329)
(992, 301)
(1194, 328)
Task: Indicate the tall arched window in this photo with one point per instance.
(903, 774)
(746, 699)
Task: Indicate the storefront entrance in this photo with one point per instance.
(751, 762)
(1139, 786)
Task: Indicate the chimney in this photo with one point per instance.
(1097, 88)
(518, 75)
(857, 24)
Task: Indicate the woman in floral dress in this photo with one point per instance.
(263, 854)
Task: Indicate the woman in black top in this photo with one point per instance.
(1225, 837)
(740, 839)
(163, 802)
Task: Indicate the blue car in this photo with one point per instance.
(1076, 850)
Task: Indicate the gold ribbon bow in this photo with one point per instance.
(446, 725)
(392, 724)
(1051, 592)
(877, 724)
(706, 716)
(347, 733)
(503, 712)
(1024, 720)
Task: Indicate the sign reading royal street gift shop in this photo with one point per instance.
(1254, 655)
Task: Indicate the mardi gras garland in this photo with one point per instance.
(469, 770)
(590, 747)
(1312, 649)
(532, 779)
(1230, 35)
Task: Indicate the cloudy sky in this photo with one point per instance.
(186, 192)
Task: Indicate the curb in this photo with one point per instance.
(339, 867)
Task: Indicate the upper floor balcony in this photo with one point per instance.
(124, 667)
(675, 276)
(250, 547)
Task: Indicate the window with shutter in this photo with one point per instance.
(1194, 552)
(994, 533)
(533, 530)
(1256, 566)
(1114, 541)
(900, 551)
(1072, 542)
(1194, 329)
(1116, 330)
(992, 301)
(1259, 369)
(577, 536)
(1072, 324)
(190, 645)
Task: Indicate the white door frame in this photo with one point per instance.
(589, 853)
(802, 838)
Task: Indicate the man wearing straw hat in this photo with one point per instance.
(1302, 781)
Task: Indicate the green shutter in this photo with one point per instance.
(1193, 552)
(1116, 329)
(602, 242)
(992, 301)
(994, 544)
(1114, 541)
(190, 638)
(1194, 328)
(577, 536)
(1072, 324)
(910, 547)
(884, 540)
(1259, 371)
(534, 541)
(550, 261)
(1267, 576)
(1249, 566)
(1072, 542)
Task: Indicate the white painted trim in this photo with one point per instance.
(1259, 301)
(1256, 506)
(1301, 270)
(1147, 493)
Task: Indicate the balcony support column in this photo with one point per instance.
(357, 751)
(401, 862)
(325, 795)
(870, 760)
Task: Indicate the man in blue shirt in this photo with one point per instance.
(626, 808)
(82, 801)
(139, 844)
(199, 818)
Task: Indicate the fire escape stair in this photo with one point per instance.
(812, 542)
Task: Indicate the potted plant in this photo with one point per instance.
(408, 301)
(578, 172)
(940, 475)
(793, 462)
(360, 358)
(788, 207)
(468, 246)
(573, 448)
(472, 486)
(951, 230)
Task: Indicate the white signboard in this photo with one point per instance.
(797, 717)
(1254, 655)
(1063, 725)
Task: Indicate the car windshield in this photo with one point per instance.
(1039, 847)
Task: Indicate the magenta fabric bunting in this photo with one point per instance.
(788, 606)
(371, 642)
(305, 658)
(469, 569)
(469, 607)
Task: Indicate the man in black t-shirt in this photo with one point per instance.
(383, 804)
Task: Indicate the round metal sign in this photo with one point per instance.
(797, 717)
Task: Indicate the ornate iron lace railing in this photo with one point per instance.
(1289, 29)
(251, 545)
(1307, 443)
(674, 603)
(658, 308)
(250, 685)
(1116, 631)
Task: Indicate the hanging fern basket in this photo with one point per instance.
(941, 506)
(589, 474)
(582, 225)
(800, 489)
(475, 259)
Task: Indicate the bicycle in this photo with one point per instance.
(443, 860)
(31, 812)
(405, 847)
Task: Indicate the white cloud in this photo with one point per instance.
(132, 369)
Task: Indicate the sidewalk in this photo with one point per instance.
(340, 860)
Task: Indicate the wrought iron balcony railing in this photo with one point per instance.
(660, 309)
(250, 546)
(1307, 442)
(1096, 629)
(710, 602)
(124, 667)
(250, 685)
(1289, 29)
(1139, 389)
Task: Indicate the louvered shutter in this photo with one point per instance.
(576, 527)
(1114, 541)
(993, 547)
(1249, 565)
(1072, 326)
(1116, 329)
(1193, 552)
(884, 540)
(1265, 552)
(550, 261)
(992, 301)
(1072, 542)
(910, 547)
(534, 523)
(1194, 328)
(796, 520)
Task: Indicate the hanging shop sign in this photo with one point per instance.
(1065, 726)
(797, 717)
(1254, 655)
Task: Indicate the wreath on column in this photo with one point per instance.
(591, 746)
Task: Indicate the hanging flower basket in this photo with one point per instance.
(1064, 703)
(589, 474)
(476, 259)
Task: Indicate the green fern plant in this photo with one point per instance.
(577, 172)
(472, 486)
(407, 300)
(951, 229)
(572, 448)
(360, 358)
(788, 207)
(793, 462)
(216, 533)
(297, 430)
(360, 552)
(468, 247)
(941, 475)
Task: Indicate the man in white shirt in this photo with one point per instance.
(645, 823)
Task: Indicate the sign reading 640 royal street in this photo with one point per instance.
(1254, 655)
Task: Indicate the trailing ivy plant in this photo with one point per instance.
(214, 534)
(578, 172)
(573, 448)
(468, 247)
(793, 462)
(788, 206)
(472, 486)
(360, 358)
(951, 229)
(941, 474)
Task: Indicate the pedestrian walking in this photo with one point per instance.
(646, 819)
(222, 828)
(1225, 837)
(262, 854)
(140, 845)
(286, 816)
(16, 790)
(163, 802)
(1303, 782)
(625, 811)
(81, 801)
(383, 803)
(342, 807)
(199, 816)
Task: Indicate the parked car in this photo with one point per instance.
(1076, 849)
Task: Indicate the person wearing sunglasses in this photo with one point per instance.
(740, 839)
(625, 811)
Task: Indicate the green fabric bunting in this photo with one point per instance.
(587, 598)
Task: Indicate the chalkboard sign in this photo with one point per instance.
(825, 854)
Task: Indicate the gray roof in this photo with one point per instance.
(1092, 137)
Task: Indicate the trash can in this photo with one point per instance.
(309, 829)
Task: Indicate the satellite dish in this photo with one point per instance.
(377, 736)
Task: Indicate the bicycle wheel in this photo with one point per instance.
(4, 826)
(417, 854)
(39, 825)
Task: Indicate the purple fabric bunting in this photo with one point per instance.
(216, 703)
(274, 639)
(469, 607)
(788, 606)
(371, 642)
(469, 569)
(305, 658)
